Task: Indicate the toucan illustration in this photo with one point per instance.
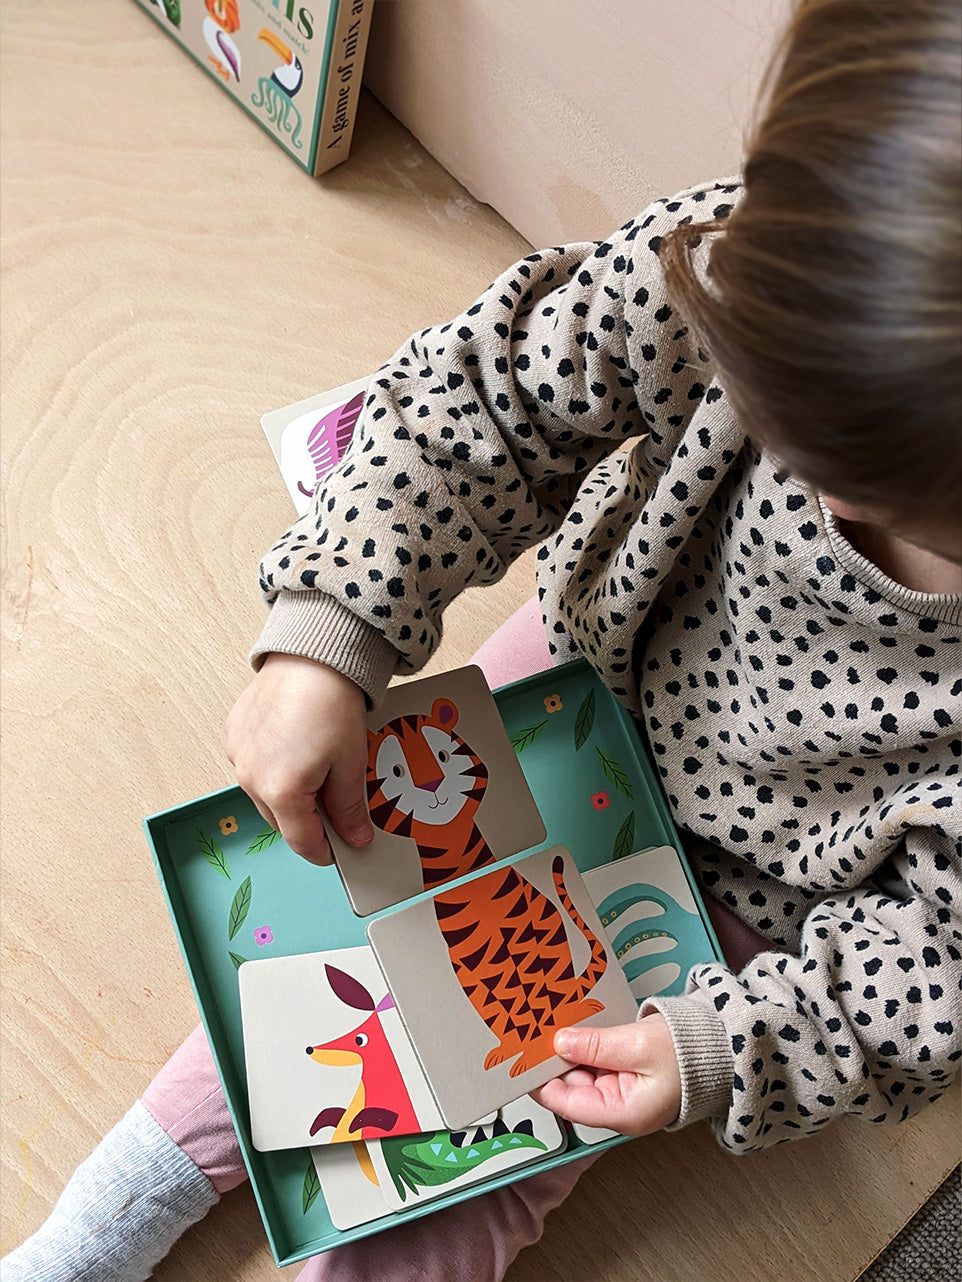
(289, 76)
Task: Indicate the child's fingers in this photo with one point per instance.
(266, 813)
(344, 798)
(578, 1077)
(583, 1103)
(622, 1101)
(300, 825)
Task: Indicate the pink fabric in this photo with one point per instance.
(185, 1099)
(517, 649)
(483, 1234)
(738, 942)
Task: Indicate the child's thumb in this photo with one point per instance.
(345, 805)
(614, 1048)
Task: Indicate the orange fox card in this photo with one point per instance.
(327, 1057)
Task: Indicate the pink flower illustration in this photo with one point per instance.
(600, 800)
(263, 935)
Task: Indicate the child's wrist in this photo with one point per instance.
(703, 1051)
(315, 626)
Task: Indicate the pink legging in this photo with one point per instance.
(488, 1231)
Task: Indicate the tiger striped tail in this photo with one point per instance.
(598, 961)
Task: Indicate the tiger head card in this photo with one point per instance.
(445, 792)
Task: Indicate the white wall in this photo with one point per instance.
(567, 116)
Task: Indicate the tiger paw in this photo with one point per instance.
(504, 1050)
(575, 1012)
(536, 1053)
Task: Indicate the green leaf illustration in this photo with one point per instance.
(526, 737)
(263, 840)
(625, 838)
(212, 852)
(312, 1186)
(240, 907)
(237, 959)
(585, 719)
(616, 775)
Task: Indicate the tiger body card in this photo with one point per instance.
(486, 971)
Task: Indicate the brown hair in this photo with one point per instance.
(832, 301)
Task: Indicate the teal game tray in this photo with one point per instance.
(236, 892)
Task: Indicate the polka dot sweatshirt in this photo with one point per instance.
(802, 709)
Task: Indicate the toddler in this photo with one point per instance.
(732, 430)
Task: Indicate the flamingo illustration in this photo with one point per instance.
(381, 1104)
(222, 20)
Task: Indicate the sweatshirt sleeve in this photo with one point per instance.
(864, 1022)
(474, 439)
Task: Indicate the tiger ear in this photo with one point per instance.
(444, 714)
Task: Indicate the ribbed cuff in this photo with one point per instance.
(704, 1057)
(315, 626)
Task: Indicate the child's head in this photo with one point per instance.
(834, 300)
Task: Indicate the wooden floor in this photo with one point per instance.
(168, 276)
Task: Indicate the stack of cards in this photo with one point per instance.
(391, 1175)
(366, 1062)
(410, 1061)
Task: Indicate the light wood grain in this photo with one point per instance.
(168, 276)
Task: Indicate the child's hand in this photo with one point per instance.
(629, 1080)
(296, 735)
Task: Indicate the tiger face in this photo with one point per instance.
(421, 772)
